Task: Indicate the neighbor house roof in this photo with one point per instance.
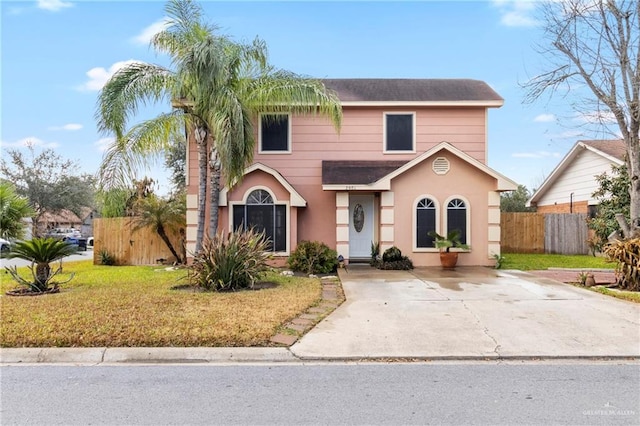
(408, 91)
(613, 150)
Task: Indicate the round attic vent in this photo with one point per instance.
(440, 166)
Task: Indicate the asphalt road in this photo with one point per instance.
(332, 393)
(81, 255)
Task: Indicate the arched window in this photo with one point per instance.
(262, 214)
(457, 218)
(425, 222)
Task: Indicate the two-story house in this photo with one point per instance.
(410, 158)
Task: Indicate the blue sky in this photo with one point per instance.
(56, 54)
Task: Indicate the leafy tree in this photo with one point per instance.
(13, 209)
(613, 196)
(121, 202)
(594, 48)
(217, 86)
(516, 201)
(162, 214)
(175, 159)
(49, 182)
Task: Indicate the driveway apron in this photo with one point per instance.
(470, 313)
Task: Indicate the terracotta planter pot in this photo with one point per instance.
(448, 260)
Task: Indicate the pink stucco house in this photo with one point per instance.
(410, 157)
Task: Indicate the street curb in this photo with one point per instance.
(143, 355)
(200, 355)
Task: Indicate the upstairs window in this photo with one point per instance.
(399, 132)
(275, 133)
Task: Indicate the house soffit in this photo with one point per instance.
(296, 200)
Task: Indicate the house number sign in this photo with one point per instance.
(358, 217)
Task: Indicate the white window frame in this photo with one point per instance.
(289, 144)
(384, 132)
(445, 210)
(414, 226)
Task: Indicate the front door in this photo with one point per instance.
(360, 225)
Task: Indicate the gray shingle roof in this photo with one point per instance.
(356, 172)
(411, 90)
(615, 147)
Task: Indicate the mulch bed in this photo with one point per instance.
(602, 278)
(28, 292)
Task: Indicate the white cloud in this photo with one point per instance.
(516, 13)
(53, 5)
(103, 144)
(544, 118)
(147, 34)
(538, 154)
(29, 141)
(98, 76)
(70, 127)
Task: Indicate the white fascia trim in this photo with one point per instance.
(489, 104)
(296, 200)
(504, 183)
(376, 186)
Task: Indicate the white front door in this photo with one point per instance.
(360, 225)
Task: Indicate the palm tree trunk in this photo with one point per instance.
(43, 270)
(160, 230)
(201, 135)
(214, 165)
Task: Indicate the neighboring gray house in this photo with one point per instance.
(569, 187)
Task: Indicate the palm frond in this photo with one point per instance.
(134, 85)
(138, 148)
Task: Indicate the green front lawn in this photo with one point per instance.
(528, 262)
(136, 306)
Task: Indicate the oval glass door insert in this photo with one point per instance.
(358, 217)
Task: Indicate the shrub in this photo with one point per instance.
(232, 263)
(107, 258)
(627, 254)
(392, 254)
(313, 257)
(392, 259)
(41, 252)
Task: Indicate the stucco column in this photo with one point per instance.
(387, 220)
(342, 224)
(493, 231)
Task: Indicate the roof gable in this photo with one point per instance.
(296, 199)
(612, 150)
(384, 183)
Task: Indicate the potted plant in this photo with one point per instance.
(448, 258)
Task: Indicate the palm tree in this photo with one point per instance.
(41, 252)
(160, 214)
(13, 208)
(217, 88)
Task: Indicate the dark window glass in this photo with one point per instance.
(592, 211)
(275, 132)
(457, 218)
(262, 215)
(425, 223)
(399, 132)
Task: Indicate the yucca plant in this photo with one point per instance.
(41, 252)
(627, 254)
(230, 263)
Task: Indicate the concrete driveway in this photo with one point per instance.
(470, 313)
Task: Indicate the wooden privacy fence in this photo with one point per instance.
(144, 246)
(544, 233)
